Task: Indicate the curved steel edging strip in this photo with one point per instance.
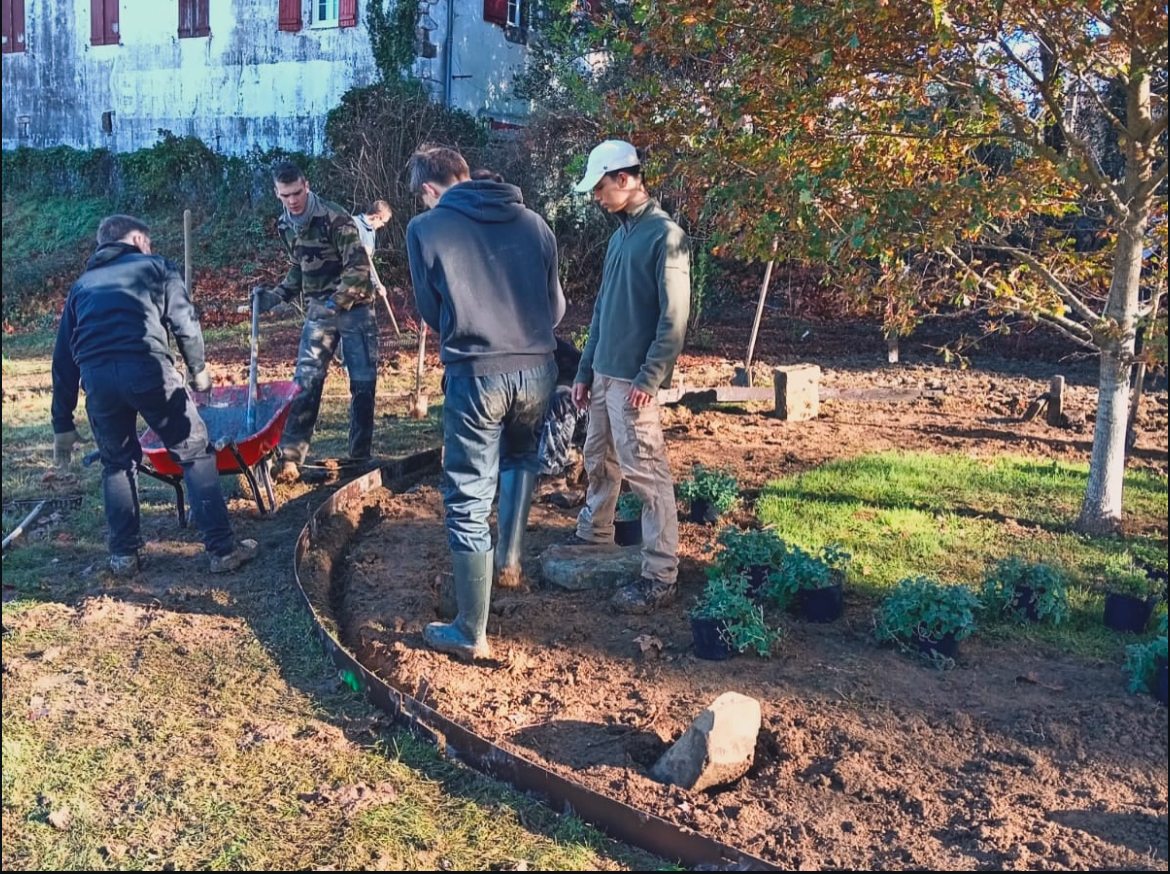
(618, 820)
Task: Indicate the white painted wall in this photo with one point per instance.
(246, 85)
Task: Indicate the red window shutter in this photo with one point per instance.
(112, 26)
(203, 18)
(290, 15)
(495, 11)
(97, 22)
(347, 13)
(13, 26)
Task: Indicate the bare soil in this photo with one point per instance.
(1019, 758)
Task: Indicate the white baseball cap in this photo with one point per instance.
(610, 155)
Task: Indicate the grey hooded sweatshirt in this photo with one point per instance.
(484, 268)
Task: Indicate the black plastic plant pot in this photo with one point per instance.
(710, 638)
(627, 532)
(1160, 684)
(702, 512)
(945, 647)
(822, 605)
(1024, 600)
(1127, 613)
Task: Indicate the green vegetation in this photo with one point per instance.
(906, 514)
(923, 608)
(743, 626)
(1024, 590)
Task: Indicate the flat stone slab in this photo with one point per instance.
(604, 566)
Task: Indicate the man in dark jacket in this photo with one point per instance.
(485, 279)
(329, 266)
(113, 341)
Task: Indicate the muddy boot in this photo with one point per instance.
(512, 519)
(466, 637)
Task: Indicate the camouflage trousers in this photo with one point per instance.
(358, 329)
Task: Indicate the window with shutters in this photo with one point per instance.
(103, 22)
(193, 18)
(13, 26)
(510, 15)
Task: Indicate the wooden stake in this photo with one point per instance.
(187, 251)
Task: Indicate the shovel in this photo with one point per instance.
(418, 400)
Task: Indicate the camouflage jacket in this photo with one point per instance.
(327, 258)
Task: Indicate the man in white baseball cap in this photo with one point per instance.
(639, 322)
(609, 156)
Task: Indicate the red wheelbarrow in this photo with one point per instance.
(238, 448)
(244, 425)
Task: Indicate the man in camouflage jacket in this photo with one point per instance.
(331, 271)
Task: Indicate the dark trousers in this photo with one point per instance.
(490, 424)
(115, 394)
(320, 338)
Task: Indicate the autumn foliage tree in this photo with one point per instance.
(895, 139)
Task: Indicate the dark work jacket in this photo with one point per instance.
(484, 268)
(121, 307)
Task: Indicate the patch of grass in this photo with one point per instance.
(905, 514)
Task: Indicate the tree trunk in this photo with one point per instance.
(1101, 509)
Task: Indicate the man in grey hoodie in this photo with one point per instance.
(484, 269)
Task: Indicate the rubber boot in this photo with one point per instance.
(361, 419)
(512, 519)
(466, 637)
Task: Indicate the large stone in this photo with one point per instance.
(797, 388)
(717, 749)
(604, 566)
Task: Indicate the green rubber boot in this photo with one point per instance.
(466, 637)
(515, 499)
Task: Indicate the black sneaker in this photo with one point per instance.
(643, 596)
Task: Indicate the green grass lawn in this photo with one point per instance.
(952, 517)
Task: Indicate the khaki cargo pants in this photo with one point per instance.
(627, 442)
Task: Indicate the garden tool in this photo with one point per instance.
(418, 400)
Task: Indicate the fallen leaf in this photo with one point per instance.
(647, 642)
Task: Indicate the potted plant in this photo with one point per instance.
(627, 523)
(822, 596)
(812, 585)
(710, 493)
(1130, 596)
(925, 614)
(1146, 664)
(757, 553)
(725, 620)
(1026, 591)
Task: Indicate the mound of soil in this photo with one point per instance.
(1020, 758)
